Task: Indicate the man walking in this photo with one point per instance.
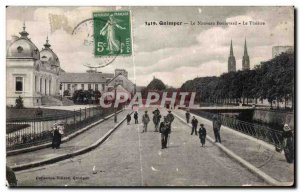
(165, 130)
(170, 118)
(145, 121)
(187, 116)
(128, 118)
(156, 119)
(202, 134)
(216, 127)
(136, 117)
(194, 125)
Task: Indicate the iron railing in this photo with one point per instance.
(35, 131)
(261, 132)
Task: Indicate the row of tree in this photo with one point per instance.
(272, 80)
(86, 96)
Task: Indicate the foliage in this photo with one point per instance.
(86, 96)
(272, 80)
(66, 93)
(156, 85)
(19, 103)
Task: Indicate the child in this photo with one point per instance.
(202, 134)
(128, 117)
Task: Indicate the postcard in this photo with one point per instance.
(150, 96)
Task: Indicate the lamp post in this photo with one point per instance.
(115, 116)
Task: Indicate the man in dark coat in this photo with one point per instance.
(156, 119)
(145, 120)
(136, 117)
(165, 130)
(202, 134)
(57, 134)
(170, 118)
(288, 143)
(194, 125)
(216, 127)
(187, 116)
(128, 118)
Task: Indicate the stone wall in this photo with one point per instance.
(274, 117)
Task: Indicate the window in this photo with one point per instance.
(82, 86)
(35, 84)
(89, 86)
(69, 86)
(19, 49)
(19, 83)
(96, 87)
(75, 86)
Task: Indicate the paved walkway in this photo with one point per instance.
(256, 153)
(83, 140)
(131, 158)
(68, 108)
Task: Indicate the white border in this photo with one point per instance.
(3, 3)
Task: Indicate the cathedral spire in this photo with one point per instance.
(245, 48)
(231, 60)
(231, 49)
(246, 59)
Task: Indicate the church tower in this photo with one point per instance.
(246, 60)
(231, 60)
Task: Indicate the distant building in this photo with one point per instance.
(84, 81)
(121, 78)
(277, 50)
(121, 71)
(231, 60)
(246, 60)
(30, 73)
(37, 77)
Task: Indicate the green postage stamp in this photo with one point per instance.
(112, 33)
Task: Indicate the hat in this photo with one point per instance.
(201, 125)
(286, 127)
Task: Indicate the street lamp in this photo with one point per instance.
(115, 109)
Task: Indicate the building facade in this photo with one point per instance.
(30, 73)
(121, 79)
(70, 82)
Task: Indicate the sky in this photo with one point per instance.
(173, 54)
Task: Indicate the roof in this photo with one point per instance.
(118, 76)
(85, 77)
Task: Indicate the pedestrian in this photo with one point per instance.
(202, 134)
(128, 118)
(156, 119)
(11, 178)
(55, 136)
(288, 143)
(164, 130)
(194, 125)
(170, 118)
(187, 116)
(145, 120)
(136, 117)
(216, 127)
